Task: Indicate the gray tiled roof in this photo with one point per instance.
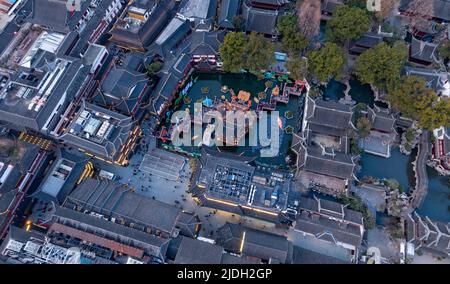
(120, 82)
(428, 234)
(330, 208)
(229, 9)
(422, 51)
(146, 34)
(53, 14)
(304, 256)
(260, 20)
(121, 230)
(113, 200)
(328, 113)
(256, 243)
(338, 165)
(328, 229)
(382, 120)
(433, 78)
(198, 252)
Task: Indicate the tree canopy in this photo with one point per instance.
(363, 125)
(295, 43)
(381, 65)
(347, 23)
(254, 52)
(239, 23)
(258, 53)
(444, 50)
(326, 62)
(153, 68)
(287, 24)
(297, 67)
(232, 51)
(413, 99)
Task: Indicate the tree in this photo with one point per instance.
(295, 43)
(287, 24)
(258, 53)
(410, 96)
(436, 116)
(444, 50)
(297, 67)
(356, 204)
(347, 23)
(413, 99)
(362, 4)
(363, 125)
(309, 14)
(292, 40)
(326, 62)
(239, 23)
(153, 68)
(381, 65)
(232, 52)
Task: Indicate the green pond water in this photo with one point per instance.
(248, 83)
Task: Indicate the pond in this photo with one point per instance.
(398, 167)
(334, 90)
(437, 202)
(361, 93)
(213, 82)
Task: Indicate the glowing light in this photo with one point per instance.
(241, 248)
(260, 211)
(28, 224)
(221, 201)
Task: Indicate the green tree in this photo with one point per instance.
(363, 125)
(347, 23)
(410, 96)
(381, 65)
(444, 50)
(287, 24)
(413, 99)
(232, 52)
(326, 62)
(153, 68)
(295, 43)
(356, 204)
(297, 67)
(436, 115)
(258, 53)
(239, 23)
(362, 4)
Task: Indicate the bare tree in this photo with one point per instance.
(420, 9)
(309, 13)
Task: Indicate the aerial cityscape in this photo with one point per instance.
(225, 132)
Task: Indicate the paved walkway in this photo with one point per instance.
(420, 169)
